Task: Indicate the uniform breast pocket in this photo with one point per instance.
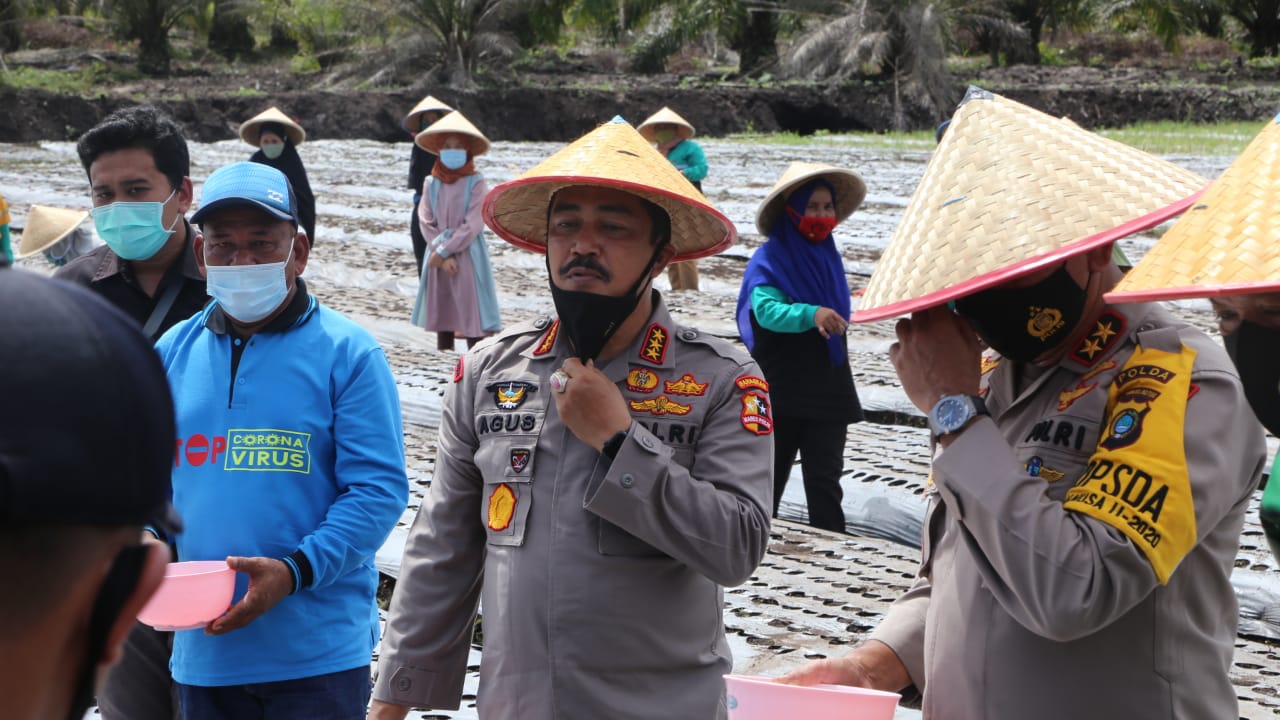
(507, 465)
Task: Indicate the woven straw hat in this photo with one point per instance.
(251, 129)
(1010, 190)
(612, 156)
(426, 104)
(850, 191)
(1228, 243)
(45, 227)
(665, 116)
(431, 138)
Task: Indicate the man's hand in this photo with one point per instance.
(937, 354)
(591, 405)
(270, 580)
(871, 665)
(829, 322)
(379, 710)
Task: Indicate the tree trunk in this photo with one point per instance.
(1263, 28)
(11, 12)
(229, 35)
(154, 52)
(757, 44)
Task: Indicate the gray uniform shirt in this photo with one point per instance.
(1027, 607)
(601, 581)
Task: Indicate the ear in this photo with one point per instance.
(667, 252)
(148, 580)
(197, 247)
(301, 251)
(185, 196)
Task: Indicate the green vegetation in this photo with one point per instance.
(80, 81)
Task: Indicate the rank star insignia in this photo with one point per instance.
(661, 405)
(511, 395)
(654, 348)
(686, 385)
(1108, 330)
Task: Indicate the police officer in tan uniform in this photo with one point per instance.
(601, 475)
(1092, 469)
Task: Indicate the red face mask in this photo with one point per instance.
(814, 229)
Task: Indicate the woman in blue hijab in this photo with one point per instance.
(793, 310)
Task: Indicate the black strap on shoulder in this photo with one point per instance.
(172, 286)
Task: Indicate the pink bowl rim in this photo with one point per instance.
(195, 568)
(825, 688)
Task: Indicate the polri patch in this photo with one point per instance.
(755, 413)
(511, 395)
(686, 385)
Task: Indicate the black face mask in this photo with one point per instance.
(590, 319)
(1022, 323)
(117, 586)
(1255, 349)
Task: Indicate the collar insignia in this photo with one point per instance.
(1106, 332)
(548, 339)
(654, 348)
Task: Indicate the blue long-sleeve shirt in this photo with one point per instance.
(298, 446)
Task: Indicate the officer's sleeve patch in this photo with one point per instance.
(1136, 481)
(457, 370)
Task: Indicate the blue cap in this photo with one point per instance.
(248, 183)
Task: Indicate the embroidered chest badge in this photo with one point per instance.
(641, 380)
(502, 507)
(654, 348)
(1035, 468)
(1106, 332)
(1070, 395)
(755, 413)
(989, 363)
(661, 405)
(686, 385)
(520, 459)
(511, 395)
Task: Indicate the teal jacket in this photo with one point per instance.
(688, 158)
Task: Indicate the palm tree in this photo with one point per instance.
(149, 22)
(459, 32)
(906, 42)
(1261, 22)
(1035, 15)
(749, 27)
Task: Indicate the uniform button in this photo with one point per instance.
(688, 334)
(646, 441)
(628, 480)
(240, 381)
(541, 323)
(1145, 327)
(403, 684)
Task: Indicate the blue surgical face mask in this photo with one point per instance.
(272, 150)
(249, 293)
(134, 230)
(453, 158)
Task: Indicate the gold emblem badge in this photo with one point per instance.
(686, 385)
(641, 380)
(502, 507)
(661, 405)
(1044, 322)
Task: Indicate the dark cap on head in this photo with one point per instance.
(86, 425)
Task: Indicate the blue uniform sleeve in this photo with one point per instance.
(775, 311)
(373, 489)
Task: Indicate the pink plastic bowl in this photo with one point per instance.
(192, 594)
(759, 698)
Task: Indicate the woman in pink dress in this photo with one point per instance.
(456, 292)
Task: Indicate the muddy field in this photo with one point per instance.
(363, 266)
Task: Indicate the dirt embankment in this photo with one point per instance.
(562, 108)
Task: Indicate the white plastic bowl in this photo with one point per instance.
(192, 594)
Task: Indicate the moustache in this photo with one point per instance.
(587, 262)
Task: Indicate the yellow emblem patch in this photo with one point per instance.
(989, 363)
(1044, 321)
(661, 405)
(641, 380)
(1137, 479)
(502, 507)
(686, 385)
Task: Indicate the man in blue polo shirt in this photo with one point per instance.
(290, 464)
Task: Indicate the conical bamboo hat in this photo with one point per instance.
(665, 116)
(1010, 190)
(850, 191)
(613, 155)
(453, 123)
(1227, 243)
(251, 129)
(426, 104)
(46, 226)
